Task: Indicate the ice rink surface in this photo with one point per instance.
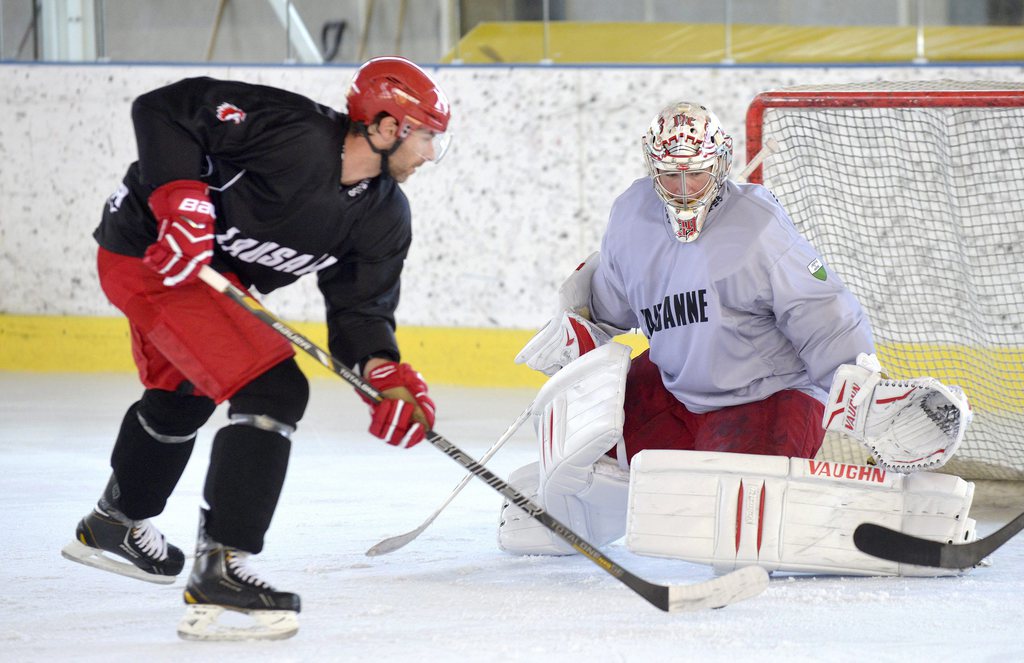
(450, 595)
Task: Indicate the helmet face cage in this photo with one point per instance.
(397, 87)
(688, 157)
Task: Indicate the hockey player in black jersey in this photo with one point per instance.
(265, 186)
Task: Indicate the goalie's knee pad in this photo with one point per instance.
(275, 400)
(599, 512)
(787, 514)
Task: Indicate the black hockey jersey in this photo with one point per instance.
(272, 160)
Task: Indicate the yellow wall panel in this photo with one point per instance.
(668, 43)
(455, 356)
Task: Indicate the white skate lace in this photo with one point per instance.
(238, 562)
(150, 540)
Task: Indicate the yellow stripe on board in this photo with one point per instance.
(454, 356)
(993, 378)
(65, 344)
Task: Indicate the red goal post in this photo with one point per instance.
(914, 193)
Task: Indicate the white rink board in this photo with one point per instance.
(539, 154)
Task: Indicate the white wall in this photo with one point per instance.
(539, 154)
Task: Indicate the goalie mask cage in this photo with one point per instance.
(914, 194)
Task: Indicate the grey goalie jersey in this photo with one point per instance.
(747, 310)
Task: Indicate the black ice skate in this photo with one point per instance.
(106, 537)
(222, 579)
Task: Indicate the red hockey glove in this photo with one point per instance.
(407, 412)
(184, 242)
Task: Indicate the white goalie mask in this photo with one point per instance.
(688, 157)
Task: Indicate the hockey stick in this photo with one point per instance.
(770, 147)
(716, 593)
(906, 549)
(393, 543)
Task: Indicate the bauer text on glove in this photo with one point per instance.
(185, 230)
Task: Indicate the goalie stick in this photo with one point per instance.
(393, 543)
(899, 547)
(716, 593)
(771, 146)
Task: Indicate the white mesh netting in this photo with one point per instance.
(921, 211)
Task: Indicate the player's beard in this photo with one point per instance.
(400, 172)
(403, 163)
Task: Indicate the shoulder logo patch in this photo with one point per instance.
(228, 112)
(817, 269)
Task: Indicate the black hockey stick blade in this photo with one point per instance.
(899, 547)
(716, 593)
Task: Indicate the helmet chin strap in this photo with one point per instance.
(384, 154)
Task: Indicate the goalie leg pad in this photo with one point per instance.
(518, 532)
(600, 511)
(785, 514)
(579, 417)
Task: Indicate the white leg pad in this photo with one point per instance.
(599, 512)
(786, 514)
(579, 418)
(518, 532)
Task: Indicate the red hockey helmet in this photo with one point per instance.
(396, 86)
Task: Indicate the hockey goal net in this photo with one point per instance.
(914, 193)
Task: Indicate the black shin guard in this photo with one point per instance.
(152, 449)
(247, 470)
(250, 458)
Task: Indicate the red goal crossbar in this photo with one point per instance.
(876, 96)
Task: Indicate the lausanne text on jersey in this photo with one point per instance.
(676, 310)
(272, 254)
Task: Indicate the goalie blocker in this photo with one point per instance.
(786, 514)
(570, 334)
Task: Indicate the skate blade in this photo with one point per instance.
(99, 559)
(205, 622)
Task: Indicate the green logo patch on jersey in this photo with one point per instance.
(817, 269)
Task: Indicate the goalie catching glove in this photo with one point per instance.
(908, 425)
(406, 412)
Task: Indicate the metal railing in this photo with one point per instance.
(521, 31)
